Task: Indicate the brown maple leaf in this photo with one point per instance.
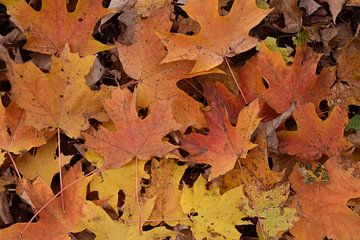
(48, 30)
(209, 47)
(60, 98)
(323, 208)
(224, 144)
(54, 224)
(134, 137)
(296, 83)
(315, 137)
(15, 135)
(348, 71)
(157, 82)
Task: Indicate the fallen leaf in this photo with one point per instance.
(224, 144)
(214, 216)
(315, 137)
(164, 183)
(157, 82)
(43, 164)
(15, 135)
(322, 206)
(134, 137)
(295, 83)
(270, 207)
(50, 29)
(122, 179)
(335, 7)
(97, 221)
(209, 47)
(54, 224)
(60, 98)
(291, 12)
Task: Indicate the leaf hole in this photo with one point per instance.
(71, 5)
(248, 231)
(35, 4)
(290, 124)
(354, 205)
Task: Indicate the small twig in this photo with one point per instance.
(52, 199)
(60, 174)
(14, 164)
(235, 80)
(137, 195)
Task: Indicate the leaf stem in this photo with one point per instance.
(137, 195)
(60, 172)
(235, 80)
(14, 164)
(52, 199)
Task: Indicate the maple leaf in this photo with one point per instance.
(48, 30)
(60, 98)
(134, 137)
(15, 135)
(314, 136)
(165, 179)
(216, 215)
(224, 144)
(54, 224)
(123, 179)
(323, 208)
(288, 84)
(157, 82)
(254, 168)
(43, 164)
(269, 206)
(97, 221)
(348, 71)
(209, 47)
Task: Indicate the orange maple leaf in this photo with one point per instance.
(296, 83)
(314, 136)
(323, 205)
(15, 135)
(134, 137)
(48, 30)
(54, 224)
(157, 82)
(60, 98)
(224, 144)
(211, 44)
